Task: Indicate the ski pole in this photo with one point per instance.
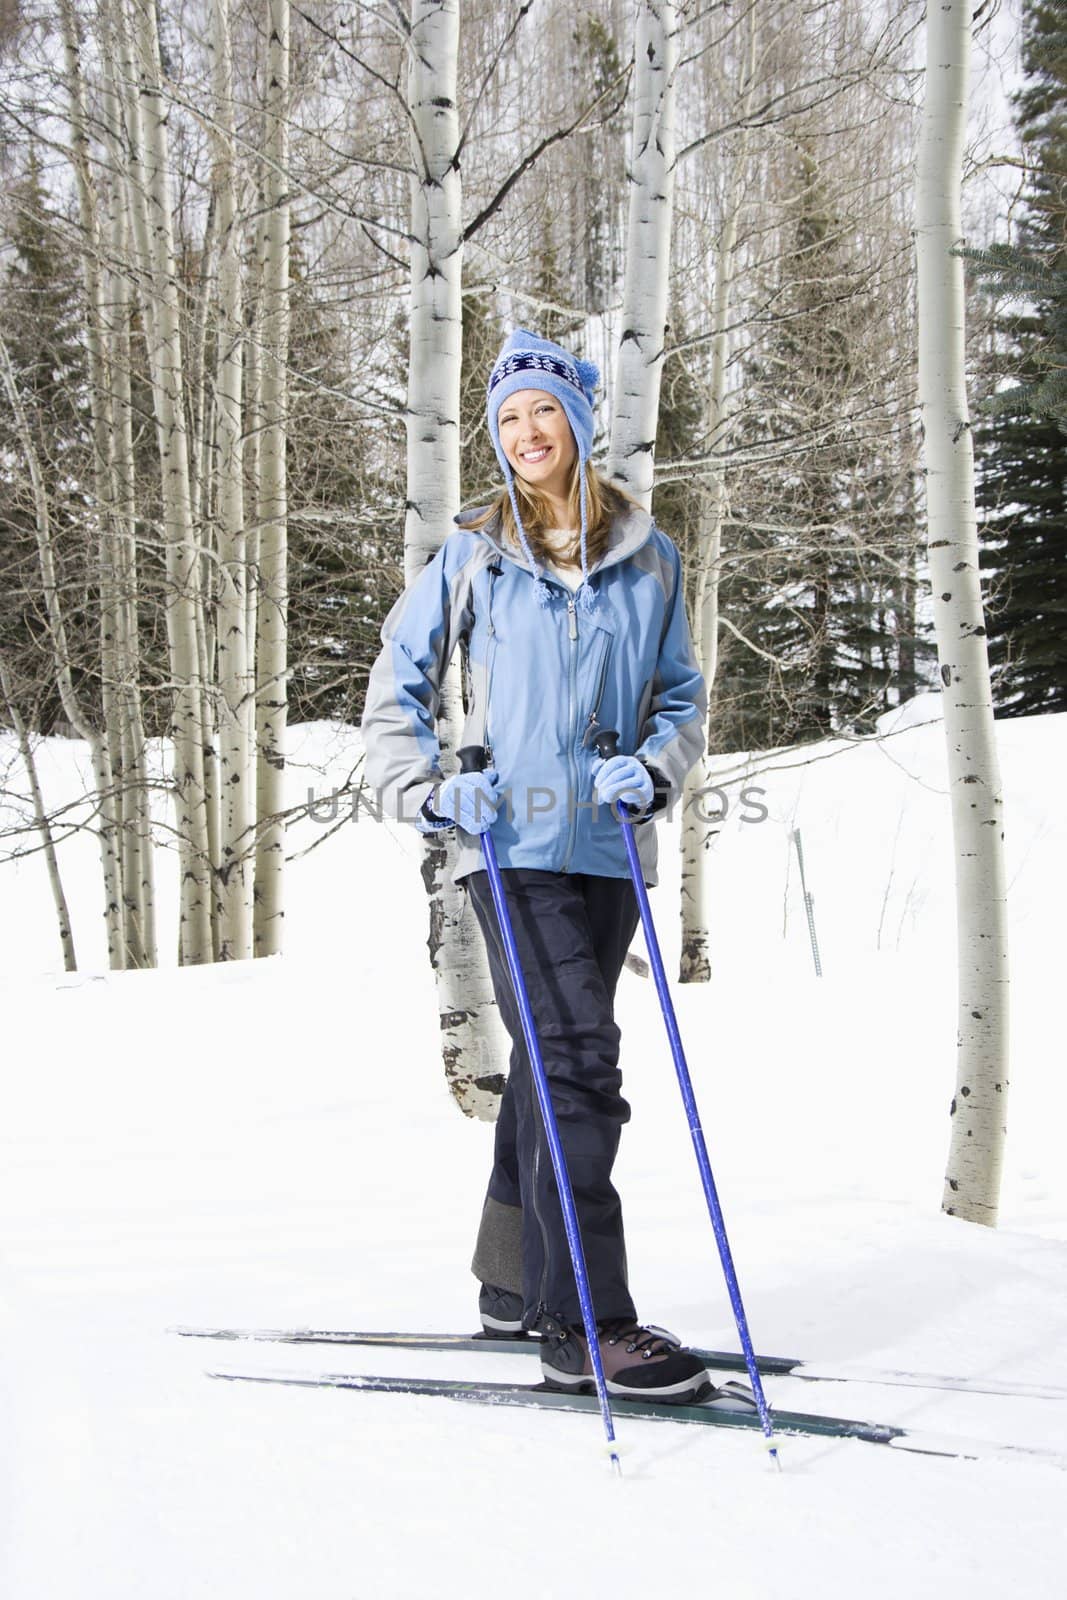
(607, 746)
(472, 759)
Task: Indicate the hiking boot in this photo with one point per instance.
(501, 1312)
(639, 1363)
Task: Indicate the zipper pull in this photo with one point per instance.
(572, 620)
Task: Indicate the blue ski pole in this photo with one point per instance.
(472, 759)
(607, 746)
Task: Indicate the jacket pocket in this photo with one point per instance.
(642, 710)
(592, 724)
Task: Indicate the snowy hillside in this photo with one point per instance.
(271, 1143)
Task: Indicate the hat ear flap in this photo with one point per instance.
(589, 377)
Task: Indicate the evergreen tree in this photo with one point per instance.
(1022, 446)
(41, 320)
(818, 563)
(482, 338)
(345, 512)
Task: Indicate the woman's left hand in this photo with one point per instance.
(623, 778)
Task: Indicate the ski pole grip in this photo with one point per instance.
(606, 743)
(471, 758)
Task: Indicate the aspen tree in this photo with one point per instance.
(972, 1181)
(42, 819)
(648, 245)
(694, 960)
(236, 684)
(152, 210)
(272, 597)
(471, 1032)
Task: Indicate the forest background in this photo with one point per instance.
(256, 262)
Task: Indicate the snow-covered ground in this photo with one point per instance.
(272, 1143)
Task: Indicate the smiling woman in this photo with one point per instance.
(569, 604)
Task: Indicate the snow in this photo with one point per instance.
(271, 1143)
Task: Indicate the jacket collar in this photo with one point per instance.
(631, 528)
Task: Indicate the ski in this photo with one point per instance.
(714, 1360)
(728, 1413)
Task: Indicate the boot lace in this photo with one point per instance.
(648, 1342)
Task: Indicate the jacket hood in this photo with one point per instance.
(630, 529)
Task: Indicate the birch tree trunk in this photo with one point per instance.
(472, 1038)
(236, 698)
(972, 1184)
(138, 876)
(152, 210)
(107, 752)
(648, 247)
(55, 882)
(271, 650)
(138, 873)
(696, 833)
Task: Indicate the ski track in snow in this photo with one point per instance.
(272, 1144)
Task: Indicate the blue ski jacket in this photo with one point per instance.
(539, 683)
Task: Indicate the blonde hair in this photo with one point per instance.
(604, 501)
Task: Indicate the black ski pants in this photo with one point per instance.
(572, 932)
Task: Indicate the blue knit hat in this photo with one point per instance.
(527, 362)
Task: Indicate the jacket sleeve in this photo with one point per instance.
(403, 755)
(672, 736)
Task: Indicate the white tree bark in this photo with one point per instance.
(55, 882)
(472, 1037)
(152, 210)
(697, 834)
(107, 754)
(979, 1108)
(138, 875)
(236, 697)
(432, 416)
(648, 247)
(271, 651)
(138, 866)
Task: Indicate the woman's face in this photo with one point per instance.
(537, 440)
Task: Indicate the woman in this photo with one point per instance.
(568, 604)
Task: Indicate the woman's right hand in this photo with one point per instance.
(470, 799)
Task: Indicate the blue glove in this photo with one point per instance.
(623, 778)
(470, 799)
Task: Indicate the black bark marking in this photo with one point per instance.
(946, 676)
(453, 1019)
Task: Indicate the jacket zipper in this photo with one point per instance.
(594, 719)
(572, 721)
(490, 660)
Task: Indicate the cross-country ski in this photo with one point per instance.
(727, 1407)
(714, 1360)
